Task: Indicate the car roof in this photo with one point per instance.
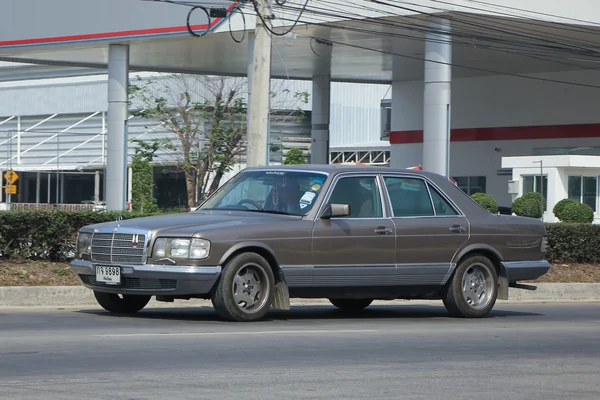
(340, 168)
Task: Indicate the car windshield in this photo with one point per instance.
(281, 192)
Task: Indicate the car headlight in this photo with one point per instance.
(195, 249)
(84, 243)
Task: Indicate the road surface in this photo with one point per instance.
(529, 351)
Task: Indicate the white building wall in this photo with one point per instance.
(498, 101)
(355, 108)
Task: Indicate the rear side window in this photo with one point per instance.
(409, 197)
(442, 207)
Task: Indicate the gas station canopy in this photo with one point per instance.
(381, 43)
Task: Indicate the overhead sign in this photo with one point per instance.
(11, 189)
(11, 176)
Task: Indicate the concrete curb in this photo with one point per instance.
(81, 297)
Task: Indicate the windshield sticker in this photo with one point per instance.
(315, 187)
(275, 173)
(307, 198)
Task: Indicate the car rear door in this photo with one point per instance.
(430, 229)
(359, 249)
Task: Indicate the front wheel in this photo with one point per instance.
(245, 289)
(473, 290)
(351, 304)
(121, 304)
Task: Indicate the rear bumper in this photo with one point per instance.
(148, 279)
(525, 270)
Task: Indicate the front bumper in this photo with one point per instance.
(149, 279)
(525, 270)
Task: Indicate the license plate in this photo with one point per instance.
(108, 275)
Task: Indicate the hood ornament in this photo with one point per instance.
(118, 221)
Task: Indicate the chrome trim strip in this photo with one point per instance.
(89, 268)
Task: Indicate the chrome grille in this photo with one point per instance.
(118, 248)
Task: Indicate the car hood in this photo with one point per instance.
(192, 222)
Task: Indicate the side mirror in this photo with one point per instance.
(336, 210)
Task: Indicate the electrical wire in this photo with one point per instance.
(461, 32)
(259, 14)
(537, 13)
(208, 23)
(454, 64)
(484, 26)
(423, 29)
(243, 19)
(515, 75)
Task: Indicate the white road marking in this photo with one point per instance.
(237, 333)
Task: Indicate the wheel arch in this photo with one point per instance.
(484, 250)
(259, 248)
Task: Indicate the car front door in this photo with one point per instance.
(429, 230)
(358, 249)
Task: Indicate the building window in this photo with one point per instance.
(533, 183)
(584, 189)
(471, 184)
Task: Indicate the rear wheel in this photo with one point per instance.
(351, 304)
(473, 290)
(121, 304)
(245, 289)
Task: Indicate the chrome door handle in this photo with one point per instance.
(383, 231)
(457, 229)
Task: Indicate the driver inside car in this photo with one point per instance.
(285, 197)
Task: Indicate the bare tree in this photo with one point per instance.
(207, 115)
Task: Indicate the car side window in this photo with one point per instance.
(361, 193)
(442, 207)
(409, 197)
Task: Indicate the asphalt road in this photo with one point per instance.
(389, 352)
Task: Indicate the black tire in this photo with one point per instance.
(248, 276)
(128, 304)
(351, 304)
(480, 291)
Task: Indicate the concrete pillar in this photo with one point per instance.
(321, 103)
(436, 104)
(38, 182)
(249, 74)
(97, 186)
(62, 188)
(49, 187)
(407, 121)
(116, 166)
(257, 151)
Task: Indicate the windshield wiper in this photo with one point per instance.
(248, 210)
(271, 212)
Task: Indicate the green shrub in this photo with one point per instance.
(48, 235)
(577, 243)
(530, 205)
(486, 201)
(294, 156)
(559, 207)
(535, 195)
(577, 213)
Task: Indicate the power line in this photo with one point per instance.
(537, 13)
(535, 55)
(454, 64)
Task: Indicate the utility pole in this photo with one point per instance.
(260, 108)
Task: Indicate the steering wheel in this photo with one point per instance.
(248, 201)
